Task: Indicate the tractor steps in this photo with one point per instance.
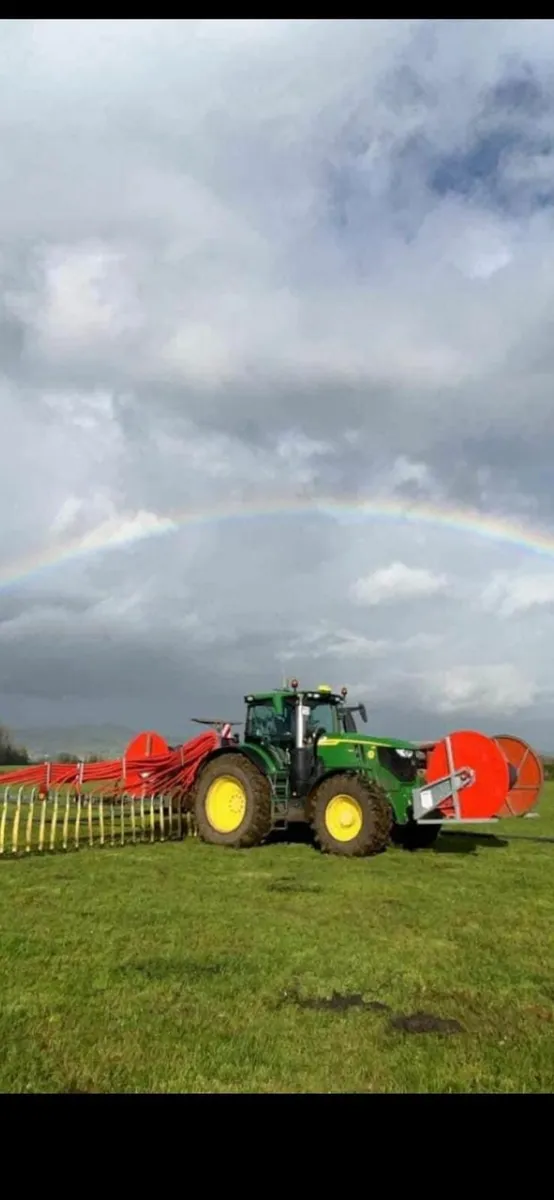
(280, 800)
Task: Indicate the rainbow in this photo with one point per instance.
(129, 529)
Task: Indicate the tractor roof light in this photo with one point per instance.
(344, 692)
(294, 684)
(323, 687)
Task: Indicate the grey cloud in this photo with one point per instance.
(272, 263)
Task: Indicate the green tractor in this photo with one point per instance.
(303, 759)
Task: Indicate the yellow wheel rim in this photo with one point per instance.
(343, 818)
(226, 804)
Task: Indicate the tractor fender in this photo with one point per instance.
(248, 752)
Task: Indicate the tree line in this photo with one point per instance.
(18, 756)
(10, 754)
(548, 764)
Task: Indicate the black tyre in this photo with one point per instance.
(232, 802)
(412, 836)
(351, 816)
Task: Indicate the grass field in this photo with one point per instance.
(181, 967)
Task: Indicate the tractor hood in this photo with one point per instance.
(365, 739)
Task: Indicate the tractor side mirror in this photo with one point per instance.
(363, 713)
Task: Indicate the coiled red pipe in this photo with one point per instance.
(146, 775)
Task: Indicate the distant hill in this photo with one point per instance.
(106, 741)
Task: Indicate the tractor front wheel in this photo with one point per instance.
(232, 802)
(351, 816)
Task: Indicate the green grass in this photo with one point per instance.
(178, 967)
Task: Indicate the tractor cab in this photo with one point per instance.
(273, 717)
(293, 724)
(291, 718)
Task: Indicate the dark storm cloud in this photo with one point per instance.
(265, 262)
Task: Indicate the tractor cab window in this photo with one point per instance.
(322, 716)
(264, 722)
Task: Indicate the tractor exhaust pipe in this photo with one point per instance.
(299, 724)
(302, 757)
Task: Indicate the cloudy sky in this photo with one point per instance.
(261, 265)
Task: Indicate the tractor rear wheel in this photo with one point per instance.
(232, 802)
(351, 816)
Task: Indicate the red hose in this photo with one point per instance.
(174, 771)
